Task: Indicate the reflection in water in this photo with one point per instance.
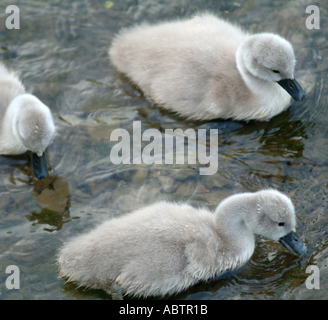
(61, 53)
(54, 199)
(51, 195)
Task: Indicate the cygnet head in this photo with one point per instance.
(275, 219)
(269, 57)
(33, 126)
(34, 123)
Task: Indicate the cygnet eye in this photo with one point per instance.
(281, 224)
(275, 71)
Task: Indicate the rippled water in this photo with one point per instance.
(61, 53)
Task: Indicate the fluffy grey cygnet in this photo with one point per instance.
(167, 247)
(25, 122)
(205, 68)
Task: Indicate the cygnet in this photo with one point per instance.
(205, 68)
(166, 247)
(26, 123)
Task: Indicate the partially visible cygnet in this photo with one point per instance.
(25, 122)
(167, 247)
(205, 68)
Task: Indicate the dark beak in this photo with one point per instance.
(39, 164)
(293, 243)
(293, 88)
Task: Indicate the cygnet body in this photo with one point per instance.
(26, 123)
(166, 247)
(205, 68)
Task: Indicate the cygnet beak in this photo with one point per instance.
(293, 243)
(293, 88)
(39, 164)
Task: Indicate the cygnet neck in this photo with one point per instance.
(232, 214)
(253, 82)
(271, 97)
